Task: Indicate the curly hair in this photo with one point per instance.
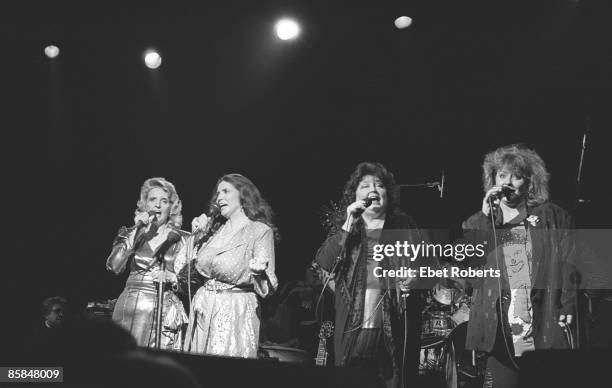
(350, 188)
(520, 161)
(176, 207)
(255, 207)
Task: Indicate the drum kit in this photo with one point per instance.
(443, 333)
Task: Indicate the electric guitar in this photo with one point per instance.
(327, 330)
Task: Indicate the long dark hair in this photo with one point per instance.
(350, 188)
(255, 207)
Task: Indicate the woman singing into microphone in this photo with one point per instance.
(156, 234)
(530, 241)
(237, 262)
(375, 327)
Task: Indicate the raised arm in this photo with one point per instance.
(122, 250)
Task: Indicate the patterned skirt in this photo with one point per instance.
(223, 322)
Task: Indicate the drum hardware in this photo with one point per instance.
(443, 333)
(436, 324)
(437, 355)
(437, 184)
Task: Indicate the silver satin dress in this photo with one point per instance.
(135, 309)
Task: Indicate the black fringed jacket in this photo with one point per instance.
(351, 278)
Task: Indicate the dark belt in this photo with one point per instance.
(167, 286)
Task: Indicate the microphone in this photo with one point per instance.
(506, 191)
(213, 212)
(141, 236)
(372, 196)
(173, 237)
(153, 213)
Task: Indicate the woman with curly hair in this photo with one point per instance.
(531, 304)
(377, 320)
(155, 236)
(236, 259)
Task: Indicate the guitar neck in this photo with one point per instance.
(322, 352)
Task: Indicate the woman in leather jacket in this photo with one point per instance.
(155, 236)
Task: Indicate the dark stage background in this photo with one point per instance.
(295, 117)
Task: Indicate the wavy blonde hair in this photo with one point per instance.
(176, 207)
(520, 161)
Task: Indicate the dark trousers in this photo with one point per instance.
(501, 369)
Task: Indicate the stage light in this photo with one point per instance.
(287, 29)
(403, 22)
(152, 59)
(52, 51)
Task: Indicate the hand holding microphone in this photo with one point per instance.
(204, 221)
(495, 194)
(504, 191)
(359, 206)
(199, 223)
(144, 218)
(373, 196)
(355, 209)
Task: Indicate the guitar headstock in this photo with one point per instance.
(327, 330)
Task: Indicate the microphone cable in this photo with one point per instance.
(405, 344)
(332, 273)
(382, 297)
(569, 336)
(315, 266)
(499, 288)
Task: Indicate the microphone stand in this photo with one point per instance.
(159, 255)
(583, 149)
(437, 184)
(579, 201)
(160, 300)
